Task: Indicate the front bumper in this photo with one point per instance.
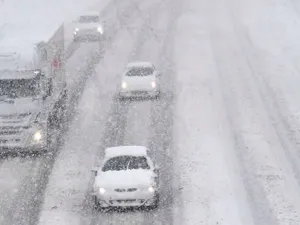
(138, 93)
(88, 35)
(5, 148)
(142, 198)
(21, 144)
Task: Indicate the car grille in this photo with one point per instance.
(139, 92)
(125, 190)
(139, 201)
(4, 141)
(16, 116)
(9, 132)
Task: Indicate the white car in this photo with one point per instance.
(89, 27)
(140, 79)
(127, 177)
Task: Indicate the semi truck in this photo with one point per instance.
(33, 94)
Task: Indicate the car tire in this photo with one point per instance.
(58, 117)
(76, 39)
(96, 203)
(121, 98)
(157, 97)
(97, 206)
(155, 204)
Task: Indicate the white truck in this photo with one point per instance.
(33, 94)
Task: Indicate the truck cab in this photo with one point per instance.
(32, 104)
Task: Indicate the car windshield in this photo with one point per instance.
(89, 19)
(19, 88)
(126, 163)
(142, 71)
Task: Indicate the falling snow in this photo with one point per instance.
(220, 118)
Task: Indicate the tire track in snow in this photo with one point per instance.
(161, 139)
(14, 172)
(261, 210)
(223, 49)
(286, 138)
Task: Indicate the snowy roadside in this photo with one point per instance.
(69, 181)
(211, 190)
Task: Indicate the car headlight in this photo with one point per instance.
(153, 84)
(101, 190)
(124, 85)
(151, 189)
(76, 29)
(100, 30)
(37, 136)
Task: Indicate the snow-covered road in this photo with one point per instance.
(225, 131)
(237, 81)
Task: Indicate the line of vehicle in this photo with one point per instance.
(117, 133)
(116, 121)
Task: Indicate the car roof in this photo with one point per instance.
(17, 57)
(131, 150)
(139, 64)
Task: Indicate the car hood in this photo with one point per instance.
(14, 112)
(137, 80)
(87, 25)
(124, 179)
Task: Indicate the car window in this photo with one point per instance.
(126, 163)
(143, 71)
(89, 19)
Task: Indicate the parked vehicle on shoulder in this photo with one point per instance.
(140, 79)
(127, 177)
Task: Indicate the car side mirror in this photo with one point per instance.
(104, 23)
(156, 169)
(95, 171)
